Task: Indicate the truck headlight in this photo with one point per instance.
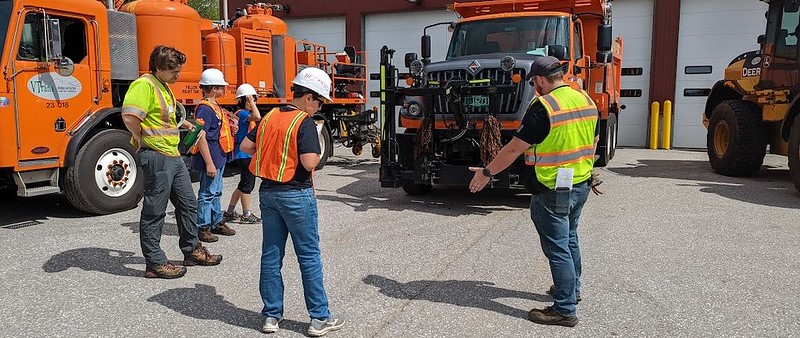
(507, 63)
(414, 110)
(416, 67)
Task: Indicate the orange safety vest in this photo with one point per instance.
(276, 156)
(226, 137)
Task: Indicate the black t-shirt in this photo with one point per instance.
(307, 142)
(534, 129)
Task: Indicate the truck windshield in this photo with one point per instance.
(526, 35)
(5, 16)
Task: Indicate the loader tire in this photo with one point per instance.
(106, 177)
(736, 140)
(416, 189)
(326, 145)
(794, 153)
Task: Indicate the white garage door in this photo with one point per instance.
(633, 21)
(402, 32)
(712, 33)
(325, 31)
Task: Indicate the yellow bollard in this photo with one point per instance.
(654, 110)
(666, 138)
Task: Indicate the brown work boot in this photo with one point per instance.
(166, 271)
(205, 235)
(549, 316)
(200, 256)
(223, 229)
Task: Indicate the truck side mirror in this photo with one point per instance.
(64, 65)
(604, 38)
(53, 39)
(410, 57)
(426, 46)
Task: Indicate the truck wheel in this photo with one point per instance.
(607, 140)
(736, 139)
(106, 177)
(614, 132)
(415, 189)
(326, 145)
(794, 153)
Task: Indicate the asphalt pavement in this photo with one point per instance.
(670, 250)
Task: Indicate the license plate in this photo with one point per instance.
(477, 101)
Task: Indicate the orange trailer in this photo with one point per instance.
(67, 65)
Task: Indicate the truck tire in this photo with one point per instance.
(326, 145)
(416, 189)
(736, 140)
(794, 153)
(108, 155)
(608, 140)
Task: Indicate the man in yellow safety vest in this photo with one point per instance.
(149, 114)
(558, 137)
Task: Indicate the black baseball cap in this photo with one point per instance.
(544, 66)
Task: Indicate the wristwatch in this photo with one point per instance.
(486, 172)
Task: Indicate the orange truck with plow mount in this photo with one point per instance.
(443, 117)
(67, 65)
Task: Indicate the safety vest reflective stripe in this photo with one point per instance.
(562, 157)
(159, 132)
(164, 108)
(287, 140)
(572, 115)
(139, 112)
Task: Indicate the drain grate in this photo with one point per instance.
(19, 225)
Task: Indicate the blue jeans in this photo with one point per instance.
(209, 209)
(555, 215)
(283, 213)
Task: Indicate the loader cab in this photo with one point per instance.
(781, 45)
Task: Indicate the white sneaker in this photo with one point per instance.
(270, 325)
(321, 327)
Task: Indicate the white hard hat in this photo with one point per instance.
(315, 79)
(212, 77)
(245, 90)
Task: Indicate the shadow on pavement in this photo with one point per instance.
(476, 294)
(771, 186)
(169, 229)
(203, 302)
(19, 212)
(364, 195)
(96, 259)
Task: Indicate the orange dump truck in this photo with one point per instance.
(67, 65)
(434, 116)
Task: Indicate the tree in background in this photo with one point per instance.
(208, 9)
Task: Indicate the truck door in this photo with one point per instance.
(50, 104)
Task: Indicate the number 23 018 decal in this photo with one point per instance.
(50, 105)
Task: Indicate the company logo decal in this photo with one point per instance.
(474, 67)
(51, 86)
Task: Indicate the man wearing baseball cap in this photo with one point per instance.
(558, 138)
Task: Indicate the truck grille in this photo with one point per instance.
(509, 103)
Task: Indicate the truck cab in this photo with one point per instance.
(483, 74)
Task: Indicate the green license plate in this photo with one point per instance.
(477, 101)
